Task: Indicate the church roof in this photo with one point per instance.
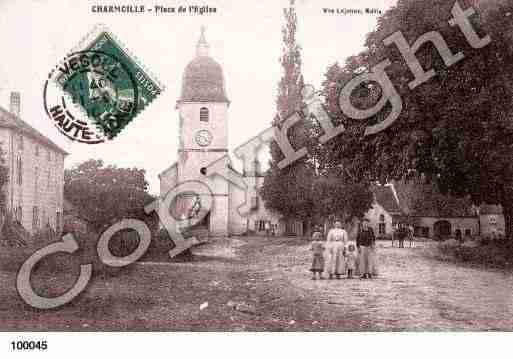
(203, 79)
(9, 120)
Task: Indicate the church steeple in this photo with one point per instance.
(202, 46)
(203, 79)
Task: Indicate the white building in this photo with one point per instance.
(34, 193)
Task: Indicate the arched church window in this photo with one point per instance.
(204, 114)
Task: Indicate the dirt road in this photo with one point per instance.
(247, 284)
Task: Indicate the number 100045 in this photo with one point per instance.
(29, 345)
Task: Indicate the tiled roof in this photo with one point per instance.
(385, 197)
(422, 199)
(9, 120)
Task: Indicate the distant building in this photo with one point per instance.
(491, 220)
(34, 193)
(459, 217)
(385, 211)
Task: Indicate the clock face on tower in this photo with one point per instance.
(203, 138)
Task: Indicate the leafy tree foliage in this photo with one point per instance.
(105, 194)
(457, 127)
(313, 187)
(288, 191)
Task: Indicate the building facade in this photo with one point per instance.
(491, 221)
(385, 211)
(457, 218)
(34, 192)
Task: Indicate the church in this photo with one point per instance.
(203, 139)
(203, 109)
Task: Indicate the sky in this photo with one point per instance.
(244, 37)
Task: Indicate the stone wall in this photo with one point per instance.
(462, 223)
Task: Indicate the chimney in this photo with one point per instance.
(15, 103)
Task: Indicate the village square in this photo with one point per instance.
(402, 224)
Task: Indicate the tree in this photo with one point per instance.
(313, 187)
(456, 128)
(288, 191)
(104, 194)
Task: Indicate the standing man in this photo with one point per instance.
(366, 242)
(335, 244)
(267, 228)
(411, 235)
(402, 234)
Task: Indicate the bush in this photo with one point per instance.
(45, 235)
(11, 258)
(498, 254)
(12, 233)
(159, 247)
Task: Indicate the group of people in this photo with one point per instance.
(338, 255)
(402, 233)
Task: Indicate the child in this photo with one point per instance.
(351, 256)
(317, 249)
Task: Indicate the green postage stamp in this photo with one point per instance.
(106, 82)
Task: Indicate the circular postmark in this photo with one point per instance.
(91, 96)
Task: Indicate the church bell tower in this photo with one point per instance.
(203, 130)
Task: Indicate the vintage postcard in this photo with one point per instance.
(255, 166)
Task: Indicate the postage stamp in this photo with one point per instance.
(106, 83)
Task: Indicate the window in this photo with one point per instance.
(419, 231)
(260, 225)
(48, 180)
(382, 225)
(468, 232)
(254, 202)
(35, 217)
(19, 170)
(58, 221)
(493, 220)
(48, 155)
(204, 114)
(20, 142)
(37, 150)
